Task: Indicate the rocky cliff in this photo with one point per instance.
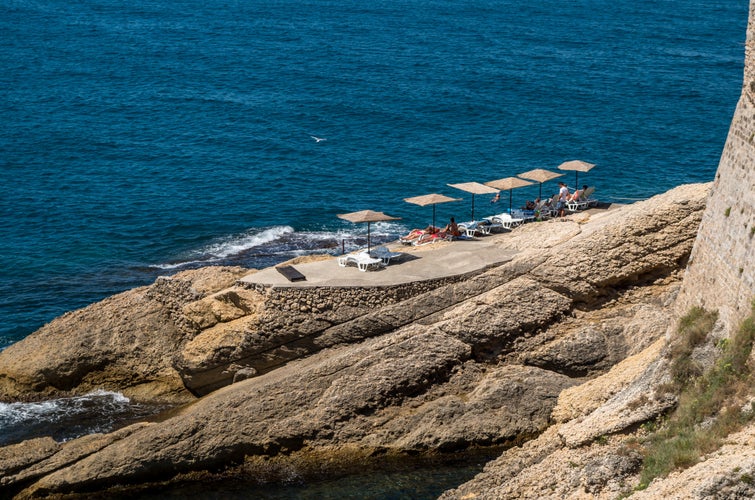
(589, 451)
(488, 360)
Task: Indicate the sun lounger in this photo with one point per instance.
(362, 260)
(588, 197)
(473, 228)
(415, 234)
(505, 220)
(549, 210)
(384, 254)
(525, 215)
(576, 205)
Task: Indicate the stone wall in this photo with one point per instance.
(721, 270)
(320, 300)
(296, 322)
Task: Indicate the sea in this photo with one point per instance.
(143, 138)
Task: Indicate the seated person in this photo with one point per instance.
(576, 195)
(530, 205)
(452, 228)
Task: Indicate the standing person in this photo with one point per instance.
(563, 195)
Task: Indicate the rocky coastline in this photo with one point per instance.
(543, 356)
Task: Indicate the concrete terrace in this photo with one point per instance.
(433, 261)
(436, 260)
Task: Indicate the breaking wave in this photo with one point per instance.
(68, 418)
(262, 247)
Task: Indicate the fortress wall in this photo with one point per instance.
(721, 270)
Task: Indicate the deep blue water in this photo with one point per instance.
(139, 136)
(146, 136)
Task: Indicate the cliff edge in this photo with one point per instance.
(481, 360)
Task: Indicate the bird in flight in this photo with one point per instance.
(318, 139)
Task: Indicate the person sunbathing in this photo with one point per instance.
(578, 194)
(452, 228)
(416, 234)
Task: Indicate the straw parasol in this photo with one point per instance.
(430, 199)
(474, 188)
(508, 184)
(540, 175)
(367, 216)
(578, 166)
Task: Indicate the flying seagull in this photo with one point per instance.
(318, 139)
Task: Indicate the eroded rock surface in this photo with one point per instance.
(125, 342)
(473, 362)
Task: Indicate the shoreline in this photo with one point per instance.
(455, 364)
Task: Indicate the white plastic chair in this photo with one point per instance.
(362, 260)
(384, 254)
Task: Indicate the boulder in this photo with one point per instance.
(124, 343)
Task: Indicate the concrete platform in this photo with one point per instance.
(437, 260)
(417, 264)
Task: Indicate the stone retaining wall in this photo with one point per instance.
(299, 321)
(329, 303)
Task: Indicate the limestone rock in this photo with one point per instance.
(221, 307)
(16, 457)
(637, 403)
(61, 455)
(545, 470)
(290, 406)
(434, 367)
(506, 406)
(581, 400)
(122, 343)
(608, 252)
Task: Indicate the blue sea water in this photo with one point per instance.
(139, 138)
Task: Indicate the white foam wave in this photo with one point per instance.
(178, 264)
(282, 241)
(228, 246)
(239, 243)
(55, 409)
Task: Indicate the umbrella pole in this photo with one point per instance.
(368, 237)
(511, 196)
(576, 180)
(541, 191)
(433, 215)
(473, 206)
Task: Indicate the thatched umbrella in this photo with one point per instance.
(474, 188)
(539, 175)
(367, 216)
(508, 184)
(578, 166)
(430, 199)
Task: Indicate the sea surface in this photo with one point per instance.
(141, 138)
